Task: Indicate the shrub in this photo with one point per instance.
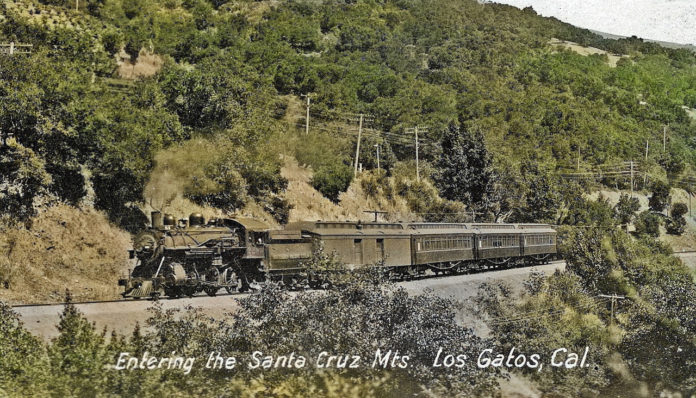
(675, 226)
(333, 179)
(648, 223)
(660, 196)
(626, 209)
(678, 210)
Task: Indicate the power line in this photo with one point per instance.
(613, 298)
(13, 48)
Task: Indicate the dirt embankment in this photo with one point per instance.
(309, 204)
(65, 248)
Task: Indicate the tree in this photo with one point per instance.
(625, 210)
(77, 356)
(660, 196)
(678, 210)
(333, 179)
(464, 168)
(648, 223)
(22, 369)
(676, 223)
(24, 178)
(542, 199)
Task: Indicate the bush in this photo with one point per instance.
(675, 226)
(222, 187)
(626, 209)
(648, 223)
(277, 206)
(660, 196)
(373, 183)
(678, 210)
(332, 180)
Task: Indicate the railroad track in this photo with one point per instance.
(124, 300)
(122, 315)
(429, 276)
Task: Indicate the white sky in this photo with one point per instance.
(664, 20)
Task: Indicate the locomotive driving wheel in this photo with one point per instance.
(211, 283)
(231, 281)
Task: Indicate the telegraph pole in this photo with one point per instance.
(378, 168)
(416, 129)
(631, 178)
(417, 168)
(645, 169)
(13, 48)
(613, 298)
(357, 147)
(664, 138)
(307, 117)
(375, 212)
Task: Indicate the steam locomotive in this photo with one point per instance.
(184, 257)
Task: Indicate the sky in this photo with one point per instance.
(664, 20)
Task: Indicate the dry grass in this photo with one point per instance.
(613, 59)
(145, 66)
(253, 11)
(309, 204)
(66, 248)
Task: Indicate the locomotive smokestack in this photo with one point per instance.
(156, 218)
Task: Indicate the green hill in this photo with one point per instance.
(233, 73)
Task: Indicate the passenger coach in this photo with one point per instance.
(409, 249)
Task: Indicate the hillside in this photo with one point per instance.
(129, 106)
(65, 248)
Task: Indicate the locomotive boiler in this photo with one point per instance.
(184, 257)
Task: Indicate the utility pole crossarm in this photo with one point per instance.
(613, 298)
(375, 212)
(13, 48)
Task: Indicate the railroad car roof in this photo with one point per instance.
(248, 223)
(359, 228)
(349, 228)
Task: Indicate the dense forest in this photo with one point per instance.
(233, 73)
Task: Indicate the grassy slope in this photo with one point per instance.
(65, 248)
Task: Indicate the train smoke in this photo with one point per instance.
(175, 168)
